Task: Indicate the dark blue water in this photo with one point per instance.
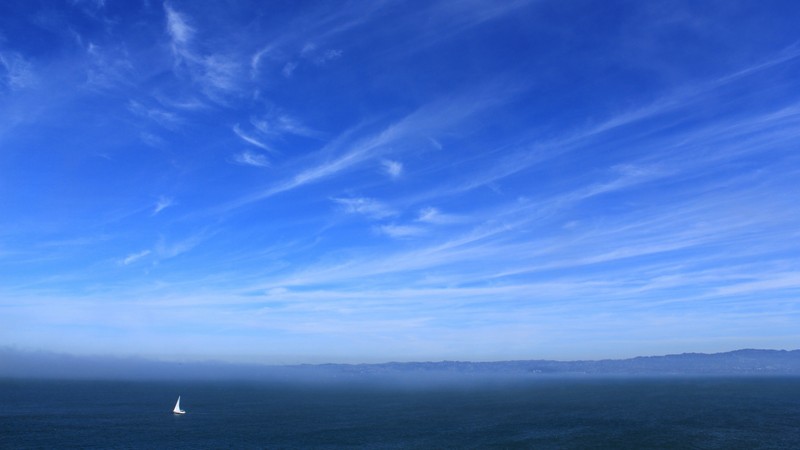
(543, 413)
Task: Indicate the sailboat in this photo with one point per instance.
(178, 409)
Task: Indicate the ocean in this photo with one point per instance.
(539, 413)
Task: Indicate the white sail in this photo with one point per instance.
(178, 409)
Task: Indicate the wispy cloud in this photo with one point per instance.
(348, 152)
(434, 216)
(401, 231)
(249, 158)
(737, 136)
(439, 21)
(366, 206)
(217, 73)
(625, 176)
(781, 281)
(164, 118)
(166, 249)
(291, 44)
(152, 140)
(220, 73)
(288, 69)
(250, 139)
(255, 60)
(277, 125)
(179, 29)
(109, 68)
(319, 57)
(392, 168)
(133, 257)
(16, 71)
(162, 203)
(493, 250)
(328, 55)
(508, 200)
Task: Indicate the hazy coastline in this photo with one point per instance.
(747, 362)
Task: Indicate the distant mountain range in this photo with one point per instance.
(735, 363)
(739, 362)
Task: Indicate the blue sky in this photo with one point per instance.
(286, 182)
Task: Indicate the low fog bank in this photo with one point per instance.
(45, 365)
(18, 364)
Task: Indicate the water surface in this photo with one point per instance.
(534, 413)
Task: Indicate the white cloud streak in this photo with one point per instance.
(401, 231)
(275, 126)
(217, 73)
(250, 139)
(162, 203)
(753, 133)
(434, 216)
(179, 29)
(255, 60)
(365, 206)
(249, 158)
(170, 249)
(436, 117)
(133, 257)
